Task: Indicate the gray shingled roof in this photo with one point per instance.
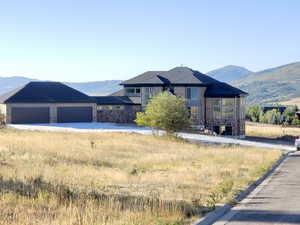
(45, 92)
(178, 75)
(184, 76)
(117, 100)
(221, 89)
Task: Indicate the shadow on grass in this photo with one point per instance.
(36, 186)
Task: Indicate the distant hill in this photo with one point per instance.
(229, 73)
(91, 88)
(279, 84)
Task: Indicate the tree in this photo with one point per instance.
(273, 117)
(165, 111)
(289, 114)
(253, 113)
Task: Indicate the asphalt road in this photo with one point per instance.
(275, 201)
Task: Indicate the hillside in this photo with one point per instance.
(229, 73)
(269, 86)
(91, 88)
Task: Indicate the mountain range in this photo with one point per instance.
(276, 85)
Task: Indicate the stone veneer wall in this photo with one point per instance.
(127, 115)
(237, 122)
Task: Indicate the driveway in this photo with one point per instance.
(275, 201)
(110, 127)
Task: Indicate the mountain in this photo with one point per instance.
(229, 73)
(279, 84)
(91, 88)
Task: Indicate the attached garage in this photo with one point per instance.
(21, 115)
(74, 114)
(48, 102)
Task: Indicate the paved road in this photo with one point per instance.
(275, 201)
(109, 127)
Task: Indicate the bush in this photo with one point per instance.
(253, 113)
(289, 114)
(165, 111)
(2, 119)
(295, 121)
(273, 117)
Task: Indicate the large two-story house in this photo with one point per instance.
(213, 105)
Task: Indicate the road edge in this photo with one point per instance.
(213, 216)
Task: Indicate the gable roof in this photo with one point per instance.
(45, 92)
(117, 100)
(176, 76)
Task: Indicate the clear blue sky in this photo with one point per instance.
(86, 40)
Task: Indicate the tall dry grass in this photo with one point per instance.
(118, 179)
(271, 131)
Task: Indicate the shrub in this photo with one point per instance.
(2, 119)
(253, 113)
(289, 114)
(273, 117)
(165, 111)
(295, 121)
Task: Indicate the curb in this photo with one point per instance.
(213, 216)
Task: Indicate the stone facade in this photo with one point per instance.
(53, 109)
(116, 115)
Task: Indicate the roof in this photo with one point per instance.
(221, 89)
(186, 77)
(281, 109)
(176, 76)
(117, 100)
(45, 92)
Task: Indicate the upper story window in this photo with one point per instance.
(193, 93)
(223, 108)
(149, 92)
(133, 90)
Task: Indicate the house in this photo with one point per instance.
(212, 104)
(280, 109)
(47, 102)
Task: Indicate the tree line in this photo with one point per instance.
(255, 113)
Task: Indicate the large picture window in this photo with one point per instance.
(223, 108)
(228, 108)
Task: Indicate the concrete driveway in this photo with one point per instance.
(110, 127)
(275, 201)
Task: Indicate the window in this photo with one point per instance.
(216, 108)
(194, 113)
(228, 108)
(133, 90)
(104, 107)
(130, 90)
(193, 93)
(149, 92)
(119, 107)
(223, 108)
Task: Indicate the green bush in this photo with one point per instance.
(295, 121)
(290, 114)
(253, 113)
(165, 111)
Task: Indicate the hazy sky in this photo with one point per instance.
(85, 40)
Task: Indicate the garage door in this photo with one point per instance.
(74, 114)
(30, 115)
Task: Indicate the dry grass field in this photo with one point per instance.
(271, 131)
(118, 179)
